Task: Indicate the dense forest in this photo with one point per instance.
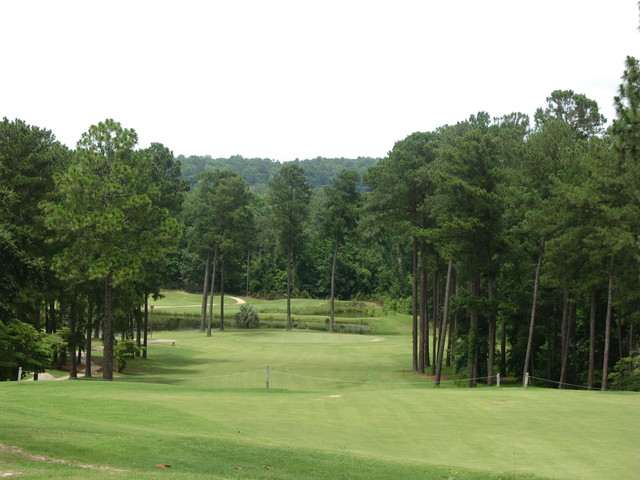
(512, 242)
(256, 172)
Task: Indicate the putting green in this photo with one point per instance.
(299, 337)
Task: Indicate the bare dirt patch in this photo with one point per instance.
(42, 458)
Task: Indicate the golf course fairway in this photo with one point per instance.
(338, 406)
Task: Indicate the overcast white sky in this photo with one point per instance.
(286, 79)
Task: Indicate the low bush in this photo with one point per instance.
(124, 351)
(626, 374)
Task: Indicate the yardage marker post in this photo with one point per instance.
(19, 374)
(498, 380)
(267, 376)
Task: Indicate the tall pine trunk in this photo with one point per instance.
(443, 326)
(423, 357)
(205, 290)
(138, 315)
(289, 280)
(333, 287)
(472, 337)
(145, 326)
(592, 337)
(492, 332)
(414, 305)
(213, 290)
(87, 357)
(107, 334)
(607, 326)
(564, 339)
(222, 293)
(73, 320)
(436, 316)
(532, 319)
(246, 290)
(503, 347)
(453, 326)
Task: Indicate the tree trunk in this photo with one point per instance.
(333, 287)
(107, 335)
(246, 290)
(289, 275)
(436, 316)
(73, 319)
(532, 319)
(620, 333)
(453, 326)
(552, 340)
(503, 347)
(571, 339)
(607, 327)
(592, 337)
(138, 315)
(97, 322)
(423, 357)
(205, 290)
(472, 337)
(564, 340)
(222, 294)
(87, 357)
(145, 326)
(48, 319)
(414, 305)
(213, 290)
(492, 332)
(443, 326)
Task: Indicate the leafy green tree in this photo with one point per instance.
(106, 218)
(549, 161)
(21, 345)
(218, 217)
(469, 211)
(29, 158)
(622, 216)
(339, 220)
(400, 204)
(124, 351)
(576, 110)
(626, 127)
(165, 174)
(626, 373)
(289, 197)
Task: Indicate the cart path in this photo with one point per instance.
(238, 301)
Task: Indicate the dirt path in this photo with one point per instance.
(238, 301)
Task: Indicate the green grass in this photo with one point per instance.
(303, 310)
(339, 407)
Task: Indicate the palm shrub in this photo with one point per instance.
(247, 317)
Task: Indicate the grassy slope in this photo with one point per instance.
(207, 411)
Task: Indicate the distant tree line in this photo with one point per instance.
(256, 172)
(512, 243)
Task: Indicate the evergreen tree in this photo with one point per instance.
(104, 215)
(289, 196)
